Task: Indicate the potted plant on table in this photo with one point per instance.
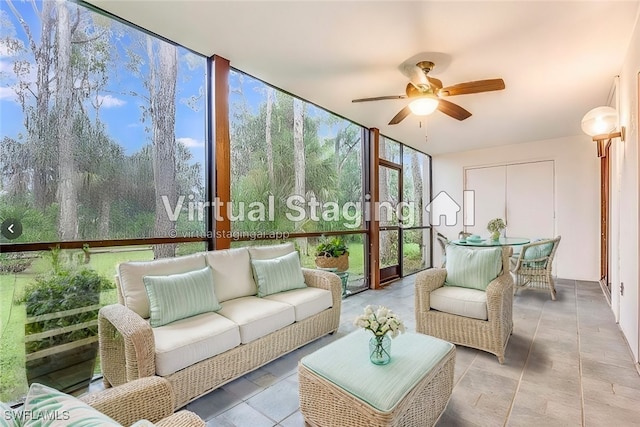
(496, 226)
(333, 253)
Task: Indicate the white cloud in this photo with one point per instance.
(7, 94)
(108, 101)
(190, 142)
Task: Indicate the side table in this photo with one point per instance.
(344, 277)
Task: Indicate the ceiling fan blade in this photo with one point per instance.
(402, 114)
(435, 83)
(453, 110)
(472, 87)
(379, 98)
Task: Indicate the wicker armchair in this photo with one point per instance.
(149, 398)
(532, 267)
(489, 335)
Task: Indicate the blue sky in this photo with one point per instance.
(120, 111)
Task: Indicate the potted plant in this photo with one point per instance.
(61, 326)
(332, 253)
(495, 226)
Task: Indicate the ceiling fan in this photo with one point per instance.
(427, 94)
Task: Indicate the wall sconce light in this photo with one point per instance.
(424, 105)
(600, 124)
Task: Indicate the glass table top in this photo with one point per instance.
(503, 241)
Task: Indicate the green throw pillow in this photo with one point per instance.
(9, 418)
(278, 274)
(472, 268)
(48, 407)
(179, 296)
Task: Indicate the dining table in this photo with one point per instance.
(488, 243)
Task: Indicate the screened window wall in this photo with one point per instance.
(295, 169)
(102, 138)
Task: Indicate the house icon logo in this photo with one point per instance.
(443, 205)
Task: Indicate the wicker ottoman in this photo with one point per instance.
(340, 387)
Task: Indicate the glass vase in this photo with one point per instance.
(495, 235)
(380, 349)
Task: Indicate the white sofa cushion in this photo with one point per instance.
(257, 317)
(271, 251)
(232, 276)
(184, 342)
(306, 302)
(461, 301)
(130, 276)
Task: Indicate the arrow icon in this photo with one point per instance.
(11, 228)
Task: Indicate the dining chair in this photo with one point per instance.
(444, 241)
(532, 268)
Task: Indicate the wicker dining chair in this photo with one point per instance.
(532, 267)
(443, 241)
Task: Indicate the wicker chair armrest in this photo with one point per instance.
(426, 282)
(148, 398)
(324, 280)
(127, 346)
(499, 296)
(181, 419)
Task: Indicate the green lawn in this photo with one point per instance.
(13, 383)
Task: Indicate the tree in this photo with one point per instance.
(267, 136)
(67, 189)
(163, 73)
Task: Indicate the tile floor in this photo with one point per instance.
(567, 364)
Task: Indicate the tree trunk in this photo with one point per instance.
(417, 198)
(163, 71)
(267, 136)
(299, 160)
(67, 189)
(103, 220)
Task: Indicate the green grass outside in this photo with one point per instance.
(13, 382)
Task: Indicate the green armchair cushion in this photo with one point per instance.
(472, 268)
(537, 252)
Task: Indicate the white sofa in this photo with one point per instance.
(200, 353)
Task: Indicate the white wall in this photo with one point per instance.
(577, 195)
(624, 209)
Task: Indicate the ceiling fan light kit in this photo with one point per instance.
(424, 106)
(427, 94)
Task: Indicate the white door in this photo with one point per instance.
(522, 194)
(489, 198)
(530, 200)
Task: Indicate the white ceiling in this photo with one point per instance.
(557, 59)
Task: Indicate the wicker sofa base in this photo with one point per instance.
(202, 377)
(126, 346)
(324, 404)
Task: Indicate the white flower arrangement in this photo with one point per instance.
(380, 320)
(496, 225)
